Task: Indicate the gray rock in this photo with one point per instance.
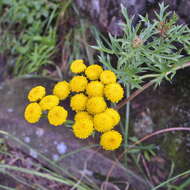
(55, 143)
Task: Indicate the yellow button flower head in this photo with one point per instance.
(93, 72)
(57, 115)
(103, 122)
(111, 140)
(108, 77)
(78, 102)
(32, 112)
(61, 90)
(82, 129)
(36, 93)
(48, 102)
(82, 115)
(114, 114)
(78, 66)
(96, 105)
(78, 84)
(114, 92)
(95, 88)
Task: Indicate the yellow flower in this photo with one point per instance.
(108, 77)
(36, 93)
(82, 115)
(57, 115)
(78, 66)
(95, 88)
(114, 92)
(96, 105)
(93, 72)
(103, 122)
(61, 90)
(32, 112)
(82, 129)
(111, 140)
(114, 114)
(48, 102)
(78, 102)
(78, 84)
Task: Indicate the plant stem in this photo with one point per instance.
(127, 121)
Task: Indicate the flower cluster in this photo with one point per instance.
(91, 90)
(41, 103)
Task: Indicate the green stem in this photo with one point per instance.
(171, 179)
(127, 120)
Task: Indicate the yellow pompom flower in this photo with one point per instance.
(114, 92)
(78, 84)
(108, 77)
(57, 115)
(96, 105)
(103, 122)
(82, 129)
(78, 102)
(114, 114)
(111, 140)
(36, 93)
(95, 88)
(82, 115)
(48, 102)
(78, 66)
(61, 90)
(93, 72)
(32, 112)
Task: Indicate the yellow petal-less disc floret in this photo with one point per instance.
(36, 93)
(32, 112)
(108, 77)
(114, 92)
(96, 105)
(78, 102)
(48, 102)
(78, 84)
(103, 122)
(114, 114)
(111, 140)
(95, 88)
(57, 115)
(61, 90)
(82, 115)
(78, 66)
(82, 129)
(93, 72)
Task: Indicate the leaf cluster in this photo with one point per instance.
(153, 49)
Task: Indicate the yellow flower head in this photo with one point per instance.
(95, 88)
(108, 77)
(114, 114)
(93, 72)
(114, 92)
(82, 129)
(32, 112)
(82, 115)
(103, 122)
(36, 93)
(78, 66)
(78, 102)
(96, 105)
(78, 84)
(61, 90)
(48, 102)
(57, 115)
(111, 140)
